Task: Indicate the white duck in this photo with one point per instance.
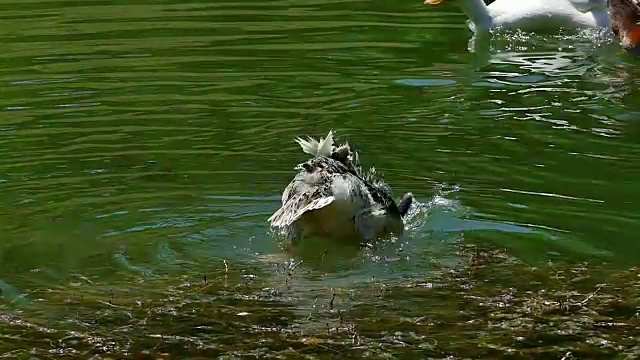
(532, 15)
(332, 197)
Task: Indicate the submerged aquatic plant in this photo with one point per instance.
(490, 305)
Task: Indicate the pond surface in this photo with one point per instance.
(145, 143)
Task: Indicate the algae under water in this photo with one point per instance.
(489, 305)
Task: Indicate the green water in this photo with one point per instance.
(151, 140)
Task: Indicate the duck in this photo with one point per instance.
(331, 196)
(625, 22)
(532, 15)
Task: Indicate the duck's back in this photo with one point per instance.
(539, 15)
(321, 182)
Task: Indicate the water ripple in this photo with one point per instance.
(173, 123)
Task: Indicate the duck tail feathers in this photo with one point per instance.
(405, 204)
(316, 148)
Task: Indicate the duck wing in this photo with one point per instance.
(297, 205)
(309, 190)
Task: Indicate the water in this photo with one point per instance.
(151, 140)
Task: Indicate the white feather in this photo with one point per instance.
(341, 189)
(317, 148)
(289, 213)
(533, 15)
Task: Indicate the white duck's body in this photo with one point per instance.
(330, 197)
(533, 15)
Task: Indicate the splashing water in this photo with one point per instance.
(419, 212)
(506, 40)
